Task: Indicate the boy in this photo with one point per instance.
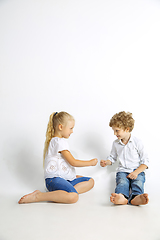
(133, 160)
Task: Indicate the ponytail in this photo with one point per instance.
(49, 135)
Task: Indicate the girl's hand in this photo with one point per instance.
(103, 163)
(94, 162)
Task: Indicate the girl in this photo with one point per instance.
(59, 165)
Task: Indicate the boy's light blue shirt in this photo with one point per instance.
(130, 156)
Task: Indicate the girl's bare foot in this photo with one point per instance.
(140, 199)
(118, 199)
(29, 198)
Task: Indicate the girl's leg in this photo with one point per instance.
(60, 191)
(54, 196)
(83, 184)
(83, 187)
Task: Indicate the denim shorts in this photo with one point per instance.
(57, 183)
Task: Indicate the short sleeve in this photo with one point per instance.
(63, 145)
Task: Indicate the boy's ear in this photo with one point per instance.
(127, 129)
(60, 126)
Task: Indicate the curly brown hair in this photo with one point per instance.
(122, 120)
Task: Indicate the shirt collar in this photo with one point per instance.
(130, 140)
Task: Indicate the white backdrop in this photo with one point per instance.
(90, 58)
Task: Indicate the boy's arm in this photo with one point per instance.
(112, 157)
(134, 174)
(143, 160)
(104, 163)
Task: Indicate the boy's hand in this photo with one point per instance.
(93, 162)
(103, 163)
(132, 175)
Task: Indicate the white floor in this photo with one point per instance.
(92, 217)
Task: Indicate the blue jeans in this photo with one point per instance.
(57, 183)
(129, 187)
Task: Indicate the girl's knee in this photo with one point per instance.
(91, 181)
(73, 197)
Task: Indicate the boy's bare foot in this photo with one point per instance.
(140, 199)
(118, 199)
(29, 198)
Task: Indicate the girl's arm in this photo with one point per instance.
(77, 163)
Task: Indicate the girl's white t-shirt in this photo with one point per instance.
(55, 165)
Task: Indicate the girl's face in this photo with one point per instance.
(67, 130)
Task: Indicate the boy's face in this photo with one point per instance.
(121, 133)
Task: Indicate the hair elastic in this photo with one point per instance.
(55, 114)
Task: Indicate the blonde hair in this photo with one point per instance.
(122, 120)
(54, 120)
